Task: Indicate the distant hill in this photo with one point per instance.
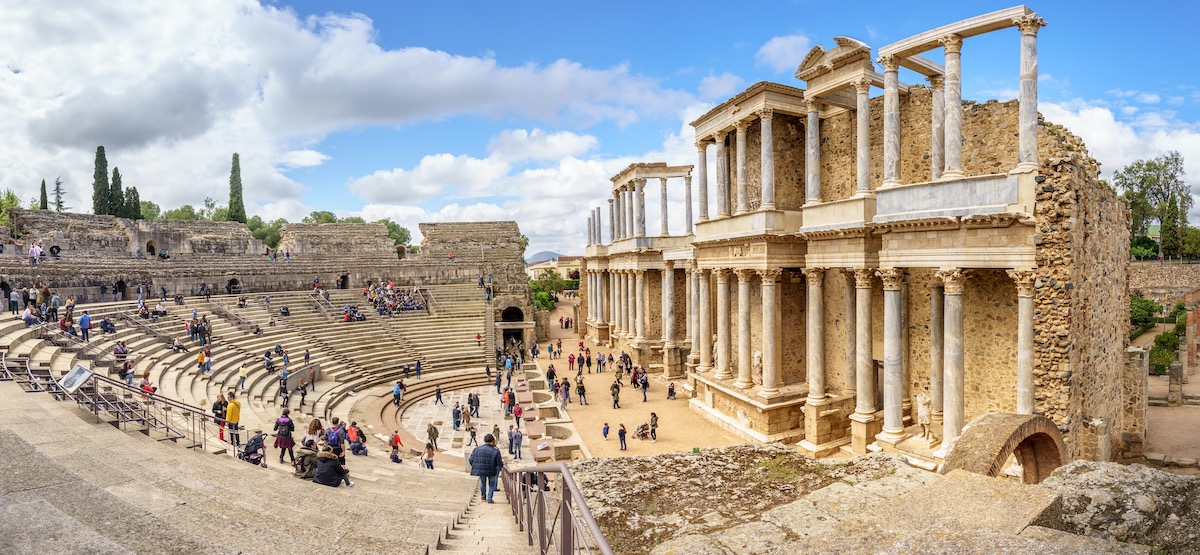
(544, 255)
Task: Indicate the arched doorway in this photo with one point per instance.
(512, 336)
(151, 248)
(990, 440)
(343, 282)
(7, 289)
(119, 289)
(233, 286)
(512, 314)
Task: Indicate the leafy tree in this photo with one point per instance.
(524, 242)
(1145, 242)
(551, 281)
(100, 188)
(133, 204)
(267, 232)
(1142, 253)
(1172, 243)
(541, 298)
(1160, 181)
(322, 217)
(150, 210)
(1168, 340)
(1141, 310)
(116, 196)
(237, 208)
(1141, 213)
(44, 204)
(8, 200)
(1160, 359)
(59, 193)
(185, 212)
(352, 220)
(398, 234)
(1191, 242)
(414, 249)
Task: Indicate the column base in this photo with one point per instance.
(743, 385)
(864, 194)
(769, 394)
(890, 439)
(863, 429)
(673, 363)
(766, 207)
(888, 184)
(723, 376)
(953, 174)
(1024, 167)
(818, 451)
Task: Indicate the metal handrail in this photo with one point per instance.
(578, 531)
(224, 311)
(319, 300)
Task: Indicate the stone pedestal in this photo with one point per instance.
(824, 427)
(1175, 385)
(863, 429)
(673, 363)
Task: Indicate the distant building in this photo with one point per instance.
(564, 265)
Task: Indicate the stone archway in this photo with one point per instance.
(987, 442)
(151, 248)
(512, 314)
(343, 281)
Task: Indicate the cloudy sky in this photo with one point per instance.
(432, 111)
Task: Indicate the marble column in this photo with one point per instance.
(812, 152)
(1027, 126)
(864, 359)
(814, 327)
(693, 327)
(591, 232)
(668, 304)
(744, 379)
(767, 157)
(953, 401)
(702, 179)
(629, 221)
(687, 201)
(599, 219)
(630, 305)
(851, 312)
(705, 319)
(612, 222)
(862, 137)
(893, 370)
(937, 365)
(640, 310)
(618, 292)
(891, 121)
(743, 190)
(1024, 279)
(605, 299)
(771, 332)
(937, 86)
(952, 44)
(662, 209)
(639, 207)
(722, 177)
(723, 347)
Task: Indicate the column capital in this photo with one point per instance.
(892, 278)
(765, 113)
(722, 274)
(814, 276)
(952, 44)
(639, 182)
(770, 275)
(687, 180)
(744, 274)
(741, 125)
(663, 180)
(719, 137)
(864, 278)
(812, 105)
(668, 265)
(1029, 23)
(702, 146)
(937, 82)
(862, 85)
(1024, 279)
(889, 62)
(953, 280)
(611, 201)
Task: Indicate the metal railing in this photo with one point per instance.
(323, 305)
(237, 319)
(556, 520)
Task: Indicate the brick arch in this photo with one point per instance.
(985, 444)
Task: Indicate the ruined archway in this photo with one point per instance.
(512, 314)
(233, 286)
(343, 282)
(987, 442)
(119, 290)
(151, 248)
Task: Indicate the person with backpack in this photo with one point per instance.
(335, 438)
(357, 439)
(283, 436)
(306, 461)
(486, 463)
(432, 433)
(330, 471)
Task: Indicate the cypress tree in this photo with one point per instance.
(133, 204)
(237, 208)
(100, 183)
(59, 192)
(116, 197)
(44, 203)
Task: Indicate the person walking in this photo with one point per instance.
(486, 463)
(456, 416)
(653, 428)
(518, 437)
(432, 433)
(581, 392)
(397, 394)
(621, 435)
(616, 394)
(283, 436)
(85, 325)
(427, 456)
(604, 431)
(233, 416)
(437, 395)
(517, 412)
(242, 378)
(473, 441)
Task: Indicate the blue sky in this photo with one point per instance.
(471, 110)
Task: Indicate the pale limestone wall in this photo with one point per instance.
(498, 242)
(781, 421)
(87, 235)
(333, 240)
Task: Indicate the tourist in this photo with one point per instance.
(432, 433)
(510, 440)
(283, 436)
(396, 443)
(233, 416)
(427, 456)
(645, 382)
(653, 428)
(486, 463)
(517, 412)
(200, 361)
(437, 396)
(418, 368)
(616, 394)
(312, 374)
(518, 437)
(397, 394)
(85, 325)
(621, 435)
(330, 470)
(604, 431)
(581, 392)
(303, 391)
(471, 429)
(103, 292)
(307, 357)
(218, 410)
(242, 378)
(478, 340)
(306, 461)
(315, 432)
(456, 415)
(358, 440)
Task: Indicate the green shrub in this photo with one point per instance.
(1142, 311)
(1168, 340)
(1160, 359)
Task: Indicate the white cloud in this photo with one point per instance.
(435, 175)
(305, 158)
(719, 87)
(1148, 98)
(784, 53)
(516, 145)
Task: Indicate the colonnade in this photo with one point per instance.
(627, 211)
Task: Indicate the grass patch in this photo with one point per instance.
(780, 469)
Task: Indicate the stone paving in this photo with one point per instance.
(417, 418)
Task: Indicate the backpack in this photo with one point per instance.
(353, 434)
(334, 438)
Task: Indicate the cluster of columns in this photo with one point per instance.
(946, 159)
(627, 210)
(736, 200)
(621, 295)
(718, 357)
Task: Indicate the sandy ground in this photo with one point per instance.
(679, 427)
(1172, 431)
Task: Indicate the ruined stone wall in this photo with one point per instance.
(337, 240)
(499, 243)
(1165, 284)
(75, 234)
(788, 138)
(1082, 290)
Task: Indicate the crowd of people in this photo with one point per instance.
(389, 300)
